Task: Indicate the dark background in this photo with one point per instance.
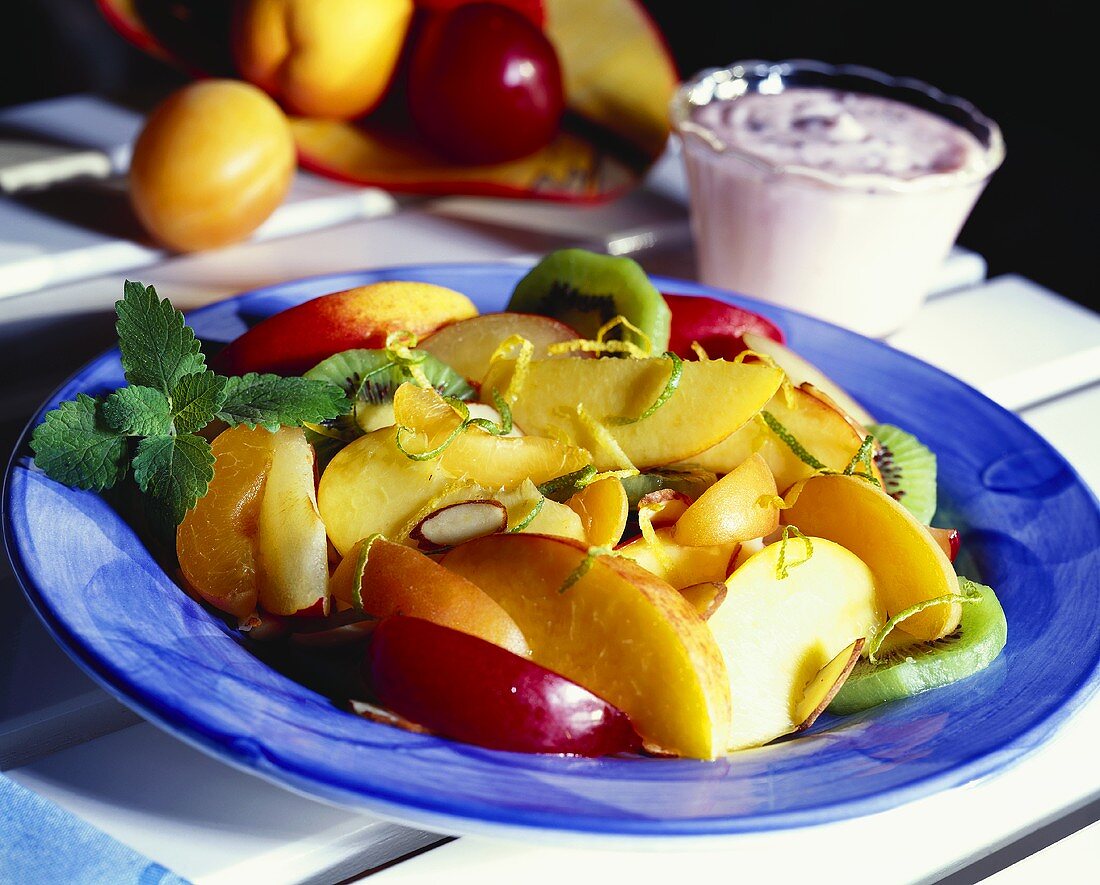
(1023, 65)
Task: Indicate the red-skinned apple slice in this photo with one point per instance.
(470, 690)
(716, 325)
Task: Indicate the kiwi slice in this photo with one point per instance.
(370, 378)
(907, 670)
(908, 470)
(690, 480)
(586, 289)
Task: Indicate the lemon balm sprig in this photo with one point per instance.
(152, 426)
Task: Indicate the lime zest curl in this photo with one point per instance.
(399, 346)
(600, 344)
(971, 592)
(584, 566)
(535, 510)
(561, 488)
(526, 351)
(791, 442)
(782, 566)
(864, 456)
(671, 385)
(463, 410)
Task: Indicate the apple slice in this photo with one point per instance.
(680, 565)
(777, 633)
(739, 507)
(713, 399)
(818, 426)
(908, 564)
(802, 371)
(295, 340)
(464, 688)
(612, 627)
(705, 597)
(825, 685)
(720, 328)
(468, 345)
(385, 579)
(292, 561)
(370, 487)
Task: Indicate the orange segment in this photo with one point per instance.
(216, 544)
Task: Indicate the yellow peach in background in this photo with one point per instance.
(321, 58)
(213, 162)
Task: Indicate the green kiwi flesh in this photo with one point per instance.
(586, 289)
(908, 670)
(370, 378)
(908, 470)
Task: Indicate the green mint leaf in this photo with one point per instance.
(175, 471)
(272, 401)
(158, 348)
(74, 445)
(196, 399)
(138, 411)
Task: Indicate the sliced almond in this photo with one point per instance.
(451, 525)
(665, 505)
(824, 686)
(705, 597)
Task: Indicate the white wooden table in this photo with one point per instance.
(60, 735)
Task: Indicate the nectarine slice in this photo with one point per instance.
(908, 564)
(295, 340)
(740, 506)
(603, 509)
(385, 579)
(216, 543)
(614, 628)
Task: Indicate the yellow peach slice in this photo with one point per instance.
(777, 633)
(603, 508)
(714, 398)
(740, 506)
(613, 628)
(908, 565)
(385, 579)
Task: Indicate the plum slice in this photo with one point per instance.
(465, 688)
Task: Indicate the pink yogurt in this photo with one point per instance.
(837, 203)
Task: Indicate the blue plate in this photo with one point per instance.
(1030, 526)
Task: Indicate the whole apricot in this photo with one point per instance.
(321, 58)
(213, 162)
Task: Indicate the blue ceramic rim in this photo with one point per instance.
(477, 816)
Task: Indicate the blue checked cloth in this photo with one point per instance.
(40, 842)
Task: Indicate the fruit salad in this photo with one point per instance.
(605, 520)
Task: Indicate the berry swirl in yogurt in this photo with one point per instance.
(845, 133)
